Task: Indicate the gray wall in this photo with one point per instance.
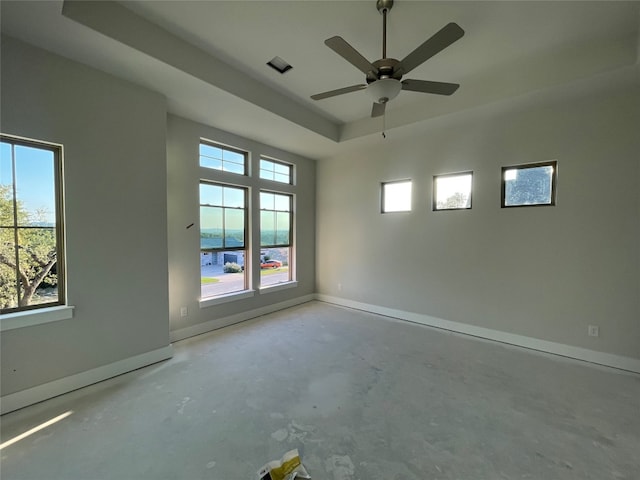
(131, 186)
(545, 273)
(183, 138)
(131, 178)
(116, 214)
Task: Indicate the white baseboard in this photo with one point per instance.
(182, 333)
(14, 401)
(601, 358)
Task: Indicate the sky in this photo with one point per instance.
(450, 185)
(34, 174)
(397, 196)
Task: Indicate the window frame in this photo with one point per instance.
(434, 202)
(290, 212)
(223, 147)
(382, 196)
(57, 151)
(525, 166)
(290, 245)
(275, 162)
(245, 247)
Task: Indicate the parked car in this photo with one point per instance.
(270, 264)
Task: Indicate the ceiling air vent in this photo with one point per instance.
(279, 64)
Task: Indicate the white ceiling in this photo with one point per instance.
(209, 57)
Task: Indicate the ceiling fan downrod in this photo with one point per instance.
(383, 7)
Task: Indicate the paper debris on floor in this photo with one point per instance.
(289, 467)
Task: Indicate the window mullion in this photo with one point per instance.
(224, 223)
(14, 200)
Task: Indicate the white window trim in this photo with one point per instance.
(28, 318)
(230, 297)
(278, 286)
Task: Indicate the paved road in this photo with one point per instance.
(231, 282)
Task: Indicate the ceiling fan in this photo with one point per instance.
(384, 76)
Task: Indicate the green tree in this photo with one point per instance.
(457, 200)
(36, 252)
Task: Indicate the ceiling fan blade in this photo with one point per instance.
(378, 109)
(438, 42)
(350, 54)
(425, 86)
(339, 91)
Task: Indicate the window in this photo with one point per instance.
(452, 191)
(31, 247)
(223, 239)
(223, 158)
(276, 171)
(235, 210)
(396, 196)
(533, 184)
(275, 237)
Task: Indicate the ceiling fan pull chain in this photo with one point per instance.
(384, 124)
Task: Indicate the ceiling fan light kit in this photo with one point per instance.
(383, 90)
(384, 76)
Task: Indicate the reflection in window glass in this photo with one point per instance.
(529, 185)
(396, 196)
(452, 192)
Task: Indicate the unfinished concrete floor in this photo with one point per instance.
(361, 396)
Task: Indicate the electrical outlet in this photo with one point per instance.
(339, 287)
(184, 311)
(594, 331)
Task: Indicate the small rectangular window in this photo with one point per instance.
(31, 225)
(223, 239)
(276, 237)
(528, 185)
(396, 196)
(452, 191)
(223, 158)
(275, 171)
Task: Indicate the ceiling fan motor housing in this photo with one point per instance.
(386, 68)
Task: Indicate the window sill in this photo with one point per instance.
(231, 297)
(278, 286)
(29, 318)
